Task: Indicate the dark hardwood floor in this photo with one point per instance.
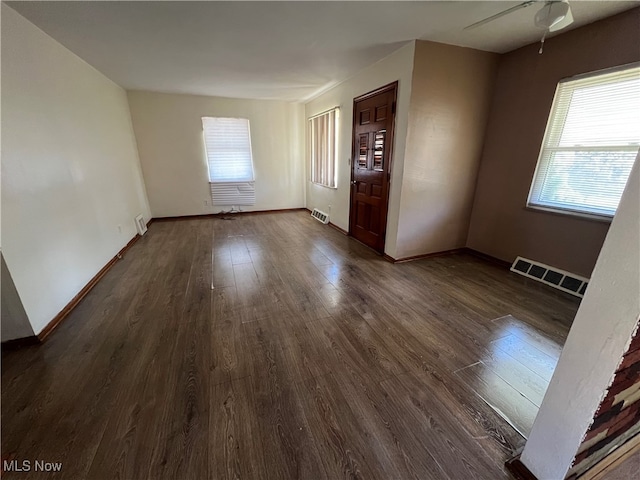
(515, 373)
(271, 346)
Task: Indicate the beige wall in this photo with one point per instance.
(397, 66)
(71, 179)
(524, 90)
(168, 129)
(450, 98)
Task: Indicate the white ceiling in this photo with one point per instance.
(272, 50)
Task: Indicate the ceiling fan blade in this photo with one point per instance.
(551, 14)
(501, 14)
(565, 22)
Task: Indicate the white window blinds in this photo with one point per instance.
(228, 146)
(228, 149)
(324, 143)
(591, 142)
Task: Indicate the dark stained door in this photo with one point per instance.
(373, 123)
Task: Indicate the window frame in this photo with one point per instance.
(311, 152)
(531, 204)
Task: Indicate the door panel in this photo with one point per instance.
(362, 218)
(381, 113)
(373, 124)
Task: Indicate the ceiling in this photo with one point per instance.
(272, 50)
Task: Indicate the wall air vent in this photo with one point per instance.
(565, 281)
(320, 216)
(141, 225)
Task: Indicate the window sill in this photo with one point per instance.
(569, 213)
(323, 186)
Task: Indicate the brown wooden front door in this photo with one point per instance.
(373, 124)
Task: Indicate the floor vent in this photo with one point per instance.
(565, 281)
(320, 216)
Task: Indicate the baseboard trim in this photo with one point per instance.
(453, 251)
(51, 326)
(423, 256)
(218, 215)
(518, 469)
(17, 343)
(488, 258)
(342, 231)
(332, 225)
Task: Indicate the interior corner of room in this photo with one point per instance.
(98, 141)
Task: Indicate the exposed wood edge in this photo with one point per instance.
(489, 258)
(218, 215)
(21, 342)
(423, 256)
(46, 331)
(518, 469)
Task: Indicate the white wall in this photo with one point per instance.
(70, 170)
(600, 334)
(15, 323)
(397, 66)
(168, 128)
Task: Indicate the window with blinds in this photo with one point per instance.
(590, 144)
(228, 148)
(324, 143)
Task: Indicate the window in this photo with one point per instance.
(591, 142)
(228, 148)
(324, 144)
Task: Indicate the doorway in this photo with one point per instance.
(373, 126)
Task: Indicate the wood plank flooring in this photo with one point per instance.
(514, 375)
(271, 346)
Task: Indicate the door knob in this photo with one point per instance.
(354, 182)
